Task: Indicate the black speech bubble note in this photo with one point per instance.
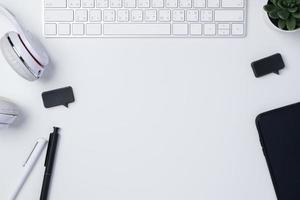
(62, 96)
(271, 64)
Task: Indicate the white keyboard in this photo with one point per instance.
(145, 18)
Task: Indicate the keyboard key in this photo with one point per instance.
(164, 15)
(178, 15)
(199, 3)
(143, 3)
(93, 29)
(237, 29)
(229, 15)
(55, 3)
(209, 29)
(129, 3)
(206, 15)
(185, 3)
(196, 29)
(115, 3)
(78, 29)
(137, 15)
(180, 29)
(81, 15)
(192, 15)
(58, 15)
(213, 3)
(123, 15)
(223, 29)
(101, 3)
(232, 3)
(88, 3)
(50, 29)
(150, 15)
(157, 3)
(109, 15)
(64, 29)
(171, 3)
(74, 3)
(95, 15)
(137, 29)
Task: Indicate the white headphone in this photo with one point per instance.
(22, 51)
(9, 112)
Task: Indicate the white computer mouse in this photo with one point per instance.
(9, 112)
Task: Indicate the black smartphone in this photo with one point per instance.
(279, 132)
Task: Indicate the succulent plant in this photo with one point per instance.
(284, 13)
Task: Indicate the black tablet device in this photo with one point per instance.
(279, 132)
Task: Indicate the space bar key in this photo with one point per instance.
(137, 29)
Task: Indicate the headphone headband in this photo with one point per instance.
(11, 17)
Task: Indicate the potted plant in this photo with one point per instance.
(284, 14)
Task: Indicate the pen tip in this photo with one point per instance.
(56, 129)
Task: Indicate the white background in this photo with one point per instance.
(153, 118)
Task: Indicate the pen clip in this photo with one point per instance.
(48, 149)
(35, 145)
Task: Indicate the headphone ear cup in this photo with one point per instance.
(37, 47)
(13, 59)
(9, 112)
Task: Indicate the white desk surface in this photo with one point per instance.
(154, 118)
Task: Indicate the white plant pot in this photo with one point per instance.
(268, 21)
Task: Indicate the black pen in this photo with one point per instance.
(49, 161)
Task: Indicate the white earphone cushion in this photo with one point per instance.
(14, 61)
(6, 106)
(9, 112)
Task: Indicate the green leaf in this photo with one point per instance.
(274, 1)
(269, 7)
(280, 4)
(296, 15)
(273, 14)
(293, 10)
(281, 24)
(283, 14)
(291, 23)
